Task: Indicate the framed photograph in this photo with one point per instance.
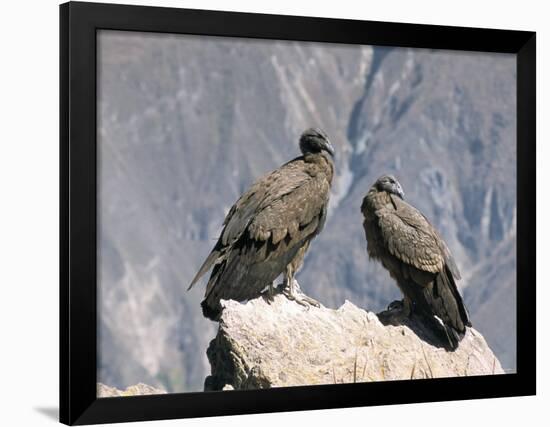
(267, 213)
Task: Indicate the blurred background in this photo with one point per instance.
(186, 124)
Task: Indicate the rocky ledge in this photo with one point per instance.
(279, 344)
(133, 390)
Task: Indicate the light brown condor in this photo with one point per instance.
(268, 230)
(417, 258)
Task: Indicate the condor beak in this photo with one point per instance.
(329, 148)
(400, 191)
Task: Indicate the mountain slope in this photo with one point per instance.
(186, 124)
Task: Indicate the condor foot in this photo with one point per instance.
(403, 307)
(294, 293)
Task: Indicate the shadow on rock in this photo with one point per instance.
(427, 329)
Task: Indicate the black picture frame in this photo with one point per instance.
(79, 23)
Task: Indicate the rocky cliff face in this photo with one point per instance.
(262, 345)
(133, 390)
(185, 124)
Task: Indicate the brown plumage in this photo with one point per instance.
(268, 230)
(416, 256)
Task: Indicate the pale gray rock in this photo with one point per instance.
(133, 390)
(261, 345)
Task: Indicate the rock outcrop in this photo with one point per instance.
(261, 345)
(133, 390)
